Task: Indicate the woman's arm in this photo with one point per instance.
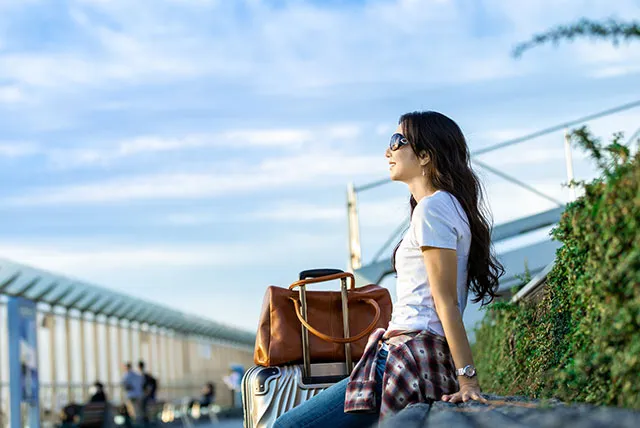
(441, 265)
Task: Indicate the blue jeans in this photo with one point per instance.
(327, 408)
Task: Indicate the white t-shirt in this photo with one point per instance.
(437, 221)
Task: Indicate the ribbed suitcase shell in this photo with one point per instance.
(268, 392)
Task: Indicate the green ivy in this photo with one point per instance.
(581, 341)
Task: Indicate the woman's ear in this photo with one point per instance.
(424, 158)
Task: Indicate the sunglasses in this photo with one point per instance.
(397, 141)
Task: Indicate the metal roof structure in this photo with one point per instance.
(59, 291)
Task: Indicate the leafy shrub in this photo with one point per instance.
(581, 341)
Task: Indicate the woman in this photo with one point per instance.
(424, 355)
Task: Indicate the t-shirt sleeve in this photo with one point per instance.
(433, 224)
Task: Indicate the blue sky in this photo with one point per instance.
(193, 152)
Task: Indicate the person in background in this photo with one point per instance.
(149, 387)
(97, 411)
(207, 398)
(98, 395)
(208, 395)
(132, 383)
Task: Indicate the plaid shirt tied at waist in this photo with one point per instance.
(419, 369)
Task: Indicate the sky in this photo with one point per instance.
(194, 152)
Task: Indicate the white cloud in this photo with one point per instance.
(378, 214)
(313, 168)
(11, 94)
(293, 211)
(189, 219)
(87, 256)
(603, 72)
(233, 140)
(266, 137)
(386, 213)
(283, 211)
(287, 49)
(345, 131)
(494, 136)
(18, 149)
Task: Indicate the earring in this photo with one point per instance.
(423, 172)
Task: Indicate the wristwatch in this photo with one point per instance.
(468, 371)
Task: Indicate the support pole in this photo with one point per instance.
(355, 251)
(160, 365)
(108, 352)
(3, 321)
(130, 335)
(143, 343)
(119, 351)
(51, 325)
(83, 355)
(569, 160)
(96, 347)
(67, 328)
(140, 353)
(169, 366)
(186, 357)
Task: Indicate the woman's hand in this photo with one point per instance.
(468, 391)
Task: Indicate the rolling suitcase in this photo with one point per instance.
(268, 392)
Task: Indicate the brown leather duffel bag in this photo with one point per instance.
(279, 336)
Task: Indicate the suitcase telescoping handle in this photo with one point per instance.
(316, 273)
(311, 277)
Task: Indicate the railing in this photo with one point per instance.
(532, 291)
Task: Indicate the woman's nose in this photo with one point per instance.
(387, 153)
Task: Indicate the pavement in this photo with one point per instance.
(224, 423)
(510, 412)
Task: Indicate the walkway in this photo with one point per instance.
(224, 423)
(513, 412)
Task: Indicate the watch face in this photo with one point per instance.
(469, 371)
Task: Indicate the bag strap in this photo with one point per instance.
(352, 339)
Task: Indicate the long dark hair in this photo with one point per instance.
(449, 169)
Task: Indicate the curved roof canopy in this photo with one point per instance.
(56, 290)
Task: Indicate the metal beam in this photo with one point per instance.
(39, 297)
(65, 293)
(9, 281)
(532, 286)
(100, 309)
(124, 310)
(115, 306)
(72, 304)
(28, 287)
(517, 182)
(527, 224)
(86, 306)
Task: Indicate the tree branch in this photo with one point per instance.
(611, 29)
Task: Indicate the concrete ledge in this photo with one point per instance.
(517, 412)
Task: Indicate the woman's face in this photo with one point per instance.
(404, 165)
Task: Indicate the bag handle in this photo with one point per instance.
(352, 339)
